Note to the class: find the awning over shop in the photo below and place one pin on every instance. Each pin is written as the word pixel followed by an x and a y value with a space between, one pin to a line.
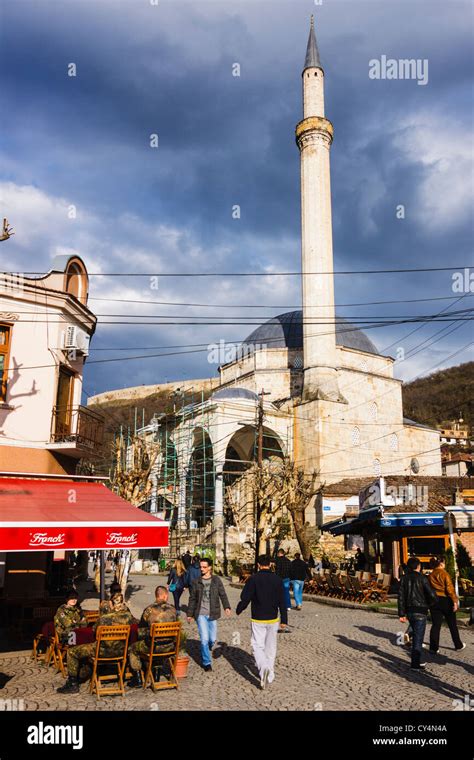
pixel 413 520
pixel 390 520
pixel 463 514
pixel 51 515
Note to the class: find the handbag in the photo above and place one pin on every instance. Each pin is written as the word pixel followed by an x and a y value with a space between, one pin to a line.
pixel 172 587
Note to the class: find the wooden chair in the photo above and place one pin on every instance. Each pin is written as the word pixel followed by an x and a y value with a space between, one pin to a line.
pixel 322 586
pixel 106 635
pixel 363 594
pixel 336 585
pixel 91 616
pixel 332 589
pixel 384 587
pixel 350 593
pixel 57 654
pixel 162 632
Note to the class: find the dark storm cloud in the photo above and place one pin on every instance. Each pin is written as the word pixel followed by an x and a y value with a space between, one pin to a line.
pixel 228 140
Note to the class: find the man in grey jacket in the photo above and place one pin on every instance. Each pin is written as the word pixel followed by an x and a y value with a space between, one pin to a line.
pixel 205 597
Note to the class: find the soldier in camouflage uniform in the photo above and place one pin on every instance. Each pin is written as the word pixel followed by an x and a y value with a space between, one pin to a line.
pixel 119 614
pixel 159 612
pixel 68 616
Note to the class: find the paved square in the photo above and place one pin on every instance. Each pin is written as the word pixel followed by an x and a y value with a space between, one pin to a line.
pixel 334 659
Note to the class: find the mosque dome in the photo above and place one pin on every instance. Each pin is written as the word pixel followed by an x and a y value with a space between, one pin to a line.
pixel 234 393
pixel 286 331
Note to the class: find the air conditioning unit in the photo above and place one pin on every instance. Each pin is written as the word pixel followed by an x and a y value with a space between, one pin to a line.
pixel 76 340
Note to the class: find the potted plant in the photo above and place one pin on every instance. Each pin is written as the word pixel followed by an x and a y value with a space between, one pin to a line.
pixel 182 660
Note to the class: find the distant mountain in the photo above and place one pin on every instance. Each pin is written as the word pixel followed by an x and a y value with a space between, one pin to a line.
pixel 442 396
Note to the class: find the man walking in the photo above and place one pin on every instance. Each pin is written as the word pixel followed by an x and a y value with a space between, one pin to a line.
pixel 205 597
pixel 283 571
pixel 265 592
pixel 299 572
pixel 415 595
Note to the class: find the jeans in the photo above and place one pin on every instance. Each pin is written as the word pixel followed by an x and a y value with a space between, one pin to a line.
pixel 176 597
pixel 418 624
pixel 286 586
pixel 208 635
pixel 298 592
pixel 443 609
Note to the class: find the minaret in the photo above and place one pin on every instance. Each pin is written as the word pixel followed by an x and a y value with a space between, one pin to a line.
pixel 314 137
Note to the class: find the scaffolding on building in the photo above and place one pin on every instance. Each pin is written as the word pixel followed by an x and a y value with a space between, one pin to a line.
pixel 186 430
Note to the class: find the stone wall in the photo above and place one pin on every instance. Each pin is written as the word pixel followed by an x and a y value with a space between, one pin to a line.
pixel 142 391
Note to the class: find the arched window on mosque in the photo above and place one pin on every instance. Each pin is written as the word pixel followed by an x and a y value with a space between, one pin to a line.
pixel 373 412
pixel 377 468
pixel 355 436
pixel 394 442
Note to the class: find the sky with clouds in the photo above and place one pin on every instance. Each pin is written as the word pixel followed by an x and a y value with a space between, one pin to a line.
pixel 167 69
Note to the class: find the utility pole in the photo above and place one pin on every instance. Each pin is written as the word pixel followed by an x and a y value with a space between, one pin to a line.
pixel 260 417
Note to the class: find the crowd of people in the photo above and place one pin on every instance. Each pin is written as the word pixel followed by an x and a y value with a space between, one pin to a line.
pixel 267 592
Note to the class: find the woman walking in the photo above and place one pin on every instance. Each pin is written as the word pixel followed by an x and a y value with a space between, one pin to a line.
pixel 176 582
pixel 445 607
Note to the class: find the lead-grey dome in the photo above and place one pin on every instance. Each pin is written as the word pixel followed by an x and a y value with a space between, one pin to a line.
pixel 234 392
pixel 286 331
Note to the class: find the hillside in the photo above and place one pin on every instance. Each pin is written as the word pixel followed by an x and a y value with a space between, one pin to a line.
pixel 444 395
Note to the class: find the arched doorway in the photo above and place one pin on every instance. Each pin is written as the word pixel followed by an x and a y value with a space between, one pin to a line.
pixel 200 481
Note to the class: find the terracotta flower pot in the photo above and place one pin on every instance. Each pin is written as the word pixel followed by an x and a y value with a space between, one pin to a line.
pixel 182 664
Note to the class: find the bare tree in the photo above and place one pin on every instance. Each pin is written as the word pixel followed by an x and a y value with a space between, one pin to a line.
pixel 7 230
pixel 133 467
pixel 131 480
pixel 296 490
pixel 278 486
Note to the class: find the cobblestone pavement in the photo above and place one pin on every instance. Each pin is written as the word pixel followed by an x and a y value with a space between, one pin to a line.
pixel 334 659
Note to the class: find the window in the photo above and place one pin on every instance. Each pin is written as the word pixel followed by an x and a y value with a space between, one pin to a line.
pixel 63 408
pixel 355 436
pixel 394 442
pixel 377 468
pixel 373 412
pixel 298 361
pixel 5 340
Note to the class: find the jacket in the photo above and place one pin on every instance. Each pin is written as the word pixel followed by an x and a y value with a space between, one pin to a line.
pixel 299 570
pixel 179 580
pixel 283 567
pixel 193 573
pixel 442 584
pixel 265 592
pixel 67 618
pixel 415 594
pixel 217 595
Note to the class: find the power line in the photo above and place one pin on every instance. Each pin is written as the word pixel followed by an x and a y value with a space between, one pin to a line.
pixel 259 274
pixel 269 306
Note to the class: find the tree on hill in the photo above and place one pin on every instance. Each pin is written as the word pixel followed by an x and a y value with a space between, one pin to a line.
pixel 441 396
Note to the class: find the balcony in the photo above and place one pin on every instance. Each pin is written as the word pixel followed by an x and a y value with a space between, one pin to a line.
pixel 76 431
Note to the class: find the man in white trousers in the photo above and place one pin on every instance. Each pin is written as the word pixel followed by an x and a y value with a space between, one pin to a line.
pixel 265 592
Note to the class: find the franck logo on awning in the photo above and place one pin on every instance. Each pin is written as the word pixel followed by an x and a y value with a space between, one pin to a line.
pixel 121 539
pixel 43 539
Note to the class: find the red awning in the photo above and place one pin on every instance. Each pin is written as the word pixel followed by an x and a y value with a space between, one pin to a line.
pixel 48 515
